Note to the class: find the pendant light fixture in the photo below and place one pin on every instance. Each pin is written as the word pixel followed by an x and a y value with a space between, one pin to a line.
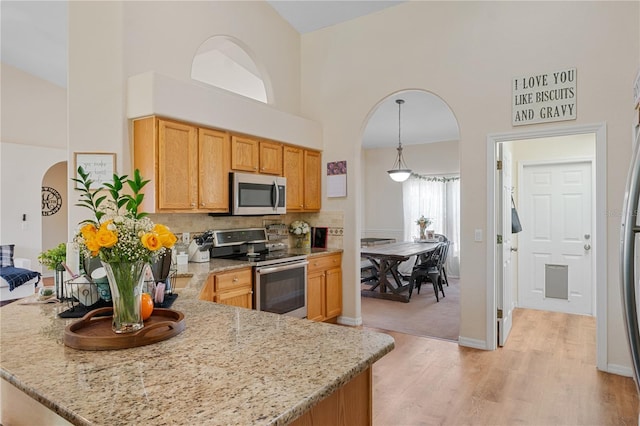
pixel 400 172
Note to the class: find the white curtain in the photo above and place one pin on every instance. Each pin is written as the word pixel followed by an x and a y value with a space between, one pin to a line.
pixel 437 198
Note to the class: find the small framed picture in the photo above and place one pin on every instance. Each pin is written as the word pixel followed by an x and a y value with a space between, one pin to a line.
pixel 431 235
pixel 100 166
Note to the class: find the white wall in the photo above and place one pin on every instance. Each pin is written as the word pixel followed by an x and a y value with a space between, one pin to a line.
pixel 467 53
pixel 33 138
pixel 22 168
pixel 34 111
pixel 383 214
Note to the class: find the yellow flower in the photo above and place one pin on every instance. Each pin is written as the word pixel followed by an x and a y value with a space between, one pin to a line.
pixel 92 246
pixel 88 231
pixel 106 238
pixel 167 239
pixel 151 241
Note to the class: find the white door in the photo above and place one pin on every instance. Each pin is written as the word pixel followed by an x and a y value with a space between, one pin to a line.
pixel 555 261
pixel 505 285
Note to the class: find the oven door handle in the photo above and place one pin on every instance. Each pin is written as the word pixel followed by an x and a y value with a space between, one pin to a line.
pixel 270 270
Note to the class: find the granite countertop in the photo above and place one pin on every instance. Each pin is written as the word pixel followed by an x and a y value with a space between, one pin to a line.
pixel 229 366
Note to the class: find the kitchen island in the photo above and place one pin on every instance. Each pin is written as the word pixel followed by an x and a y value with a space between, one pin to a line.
pixel 229 366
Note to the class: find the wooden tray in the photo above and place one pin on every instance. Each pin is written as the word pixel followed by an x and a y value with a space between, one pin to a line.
pixel 93 333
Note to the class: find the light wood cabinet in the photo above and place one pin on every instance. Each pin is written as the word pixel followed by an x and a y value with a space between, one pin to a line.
pixel 324 287
pixel 245 154
pixel 302 168
pixel 188 166
pixel 256 156
pixel 271 158
pixel 233 288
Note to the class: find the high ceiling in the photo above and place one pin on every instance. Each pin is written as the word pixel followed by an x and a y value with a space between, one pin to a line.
pixel 34 39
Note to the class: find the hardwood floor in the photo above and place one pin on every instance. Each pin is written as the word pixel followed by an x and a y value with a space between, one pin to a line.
pixel 545 375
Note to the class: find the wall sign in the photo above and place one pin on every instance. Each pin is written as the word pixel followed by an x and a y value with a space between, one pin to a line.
pixel 51 201
pixel 543 98
pixel 337 179
pixel 100 166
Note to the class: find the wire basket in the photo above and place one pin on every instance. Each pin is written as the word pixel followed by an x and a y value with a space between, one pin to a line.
pixel 81 291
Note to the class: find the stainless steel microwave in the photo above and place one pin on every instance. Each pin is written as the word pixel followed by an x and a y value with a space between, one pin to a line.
pixel 253 194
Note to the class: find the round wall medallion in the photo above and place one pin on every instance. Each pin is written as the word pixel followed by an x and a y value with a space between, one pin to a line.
pixel 51 201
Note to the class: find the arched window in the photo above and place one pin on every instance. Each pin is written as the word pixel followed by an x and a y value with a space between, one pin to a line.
pixel 223 63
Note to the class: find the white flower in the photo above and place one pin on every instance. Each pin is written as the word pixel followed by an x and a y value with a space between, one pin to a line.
pixel 299 227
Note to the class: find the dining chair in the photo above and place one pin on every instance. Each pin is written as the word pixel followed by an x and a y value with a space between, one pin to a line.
pixel 443 238
pixel 430 269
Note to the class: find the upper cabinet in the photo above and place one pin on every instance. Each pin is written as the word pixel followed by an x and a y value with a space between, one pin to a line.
pixel 302 168
pixel 256 156
pixel 244 154
pixel 271 158
pixel 188 166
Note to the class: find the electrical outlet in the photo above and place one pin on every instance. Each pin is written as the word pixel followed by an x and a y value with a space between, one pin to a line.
pixel 186 238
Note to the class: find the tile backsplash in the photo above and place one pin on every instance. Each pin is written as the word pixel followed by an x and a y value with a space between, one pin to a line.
pixel 197 223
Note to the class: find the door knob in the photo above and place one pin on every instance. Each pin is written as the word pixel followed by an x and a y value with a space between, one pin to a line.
pixel 514 248
pixel 587 247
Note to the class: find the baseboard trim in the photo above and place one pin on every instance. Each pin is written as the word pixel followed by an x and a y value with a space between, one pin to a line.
pixel 620 370
pixel 472 343
pixel 350 321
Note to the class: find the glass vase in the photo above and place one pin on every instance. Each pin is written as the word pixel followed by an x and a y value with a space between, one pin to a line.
pixel 300 241
pixel 125 283
pixel 423 235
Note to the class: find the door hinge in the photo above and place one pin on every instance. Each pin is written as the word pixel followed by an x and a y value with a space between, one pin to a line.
pixel 499 165
pixel 499 239
pixel 499 313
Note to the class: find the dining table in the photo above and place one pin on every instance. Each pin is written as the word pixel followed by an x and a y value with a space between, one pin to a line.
pixel 385 260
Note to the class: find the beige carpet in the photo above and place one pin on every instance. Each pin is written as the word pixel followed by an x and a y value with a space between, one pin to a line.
pixel 422 316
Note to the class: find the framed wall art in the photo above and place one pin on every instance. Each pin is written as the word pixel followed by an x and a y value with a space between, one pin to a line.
pixel 100 166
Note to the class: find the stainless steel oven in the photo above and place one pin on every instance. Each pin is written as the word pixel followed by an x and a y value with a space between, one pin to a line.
pixel 281 288
pixel 280 277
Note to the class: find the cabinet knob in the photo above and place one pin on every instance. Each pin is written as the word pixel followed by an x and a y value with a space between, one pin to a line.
pixel 235 279
pixel 201 204
pixel 193 204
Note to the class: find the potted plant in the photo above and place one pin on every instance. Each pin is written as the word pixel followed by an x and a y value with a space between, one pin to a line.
pixel 54 257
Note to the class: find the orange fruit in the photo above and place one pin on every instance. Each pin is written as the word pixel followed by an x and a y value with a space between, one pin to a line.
pixel 146 306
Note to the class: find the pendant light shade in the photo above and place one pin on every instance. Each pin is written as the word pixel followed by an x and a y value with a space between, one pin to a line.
pixel 400 172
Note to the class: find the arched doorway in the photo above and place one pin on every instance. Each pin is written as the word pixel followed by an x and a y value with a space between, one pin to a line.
pixel 429 133
pixel 54 206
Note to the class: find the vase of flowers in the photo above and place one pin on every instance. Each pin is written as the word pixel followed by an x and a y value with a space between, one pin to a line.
pixel 125 240
pixel 423 222
pixel 299 229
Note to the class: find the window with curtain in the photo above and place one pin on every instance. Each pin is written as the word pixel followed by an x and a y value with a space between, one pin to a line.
pixel 438 198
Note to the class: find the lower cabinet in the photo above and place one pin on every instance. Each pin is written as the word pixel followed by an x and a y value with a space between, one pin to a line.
pixel 233 288
pixel 324 287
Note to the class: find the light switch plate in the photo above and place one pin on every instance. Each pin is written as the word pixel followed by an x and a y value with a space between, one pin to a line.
pixel 478 235
pixel 186 238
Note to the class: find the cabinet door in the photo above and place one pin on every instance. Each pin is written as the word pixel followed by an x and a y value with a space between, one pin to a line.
pixel 214 163
pixel 312 188
pixel 244 154
pixel 208 289
pixel 241 297
pixel 333 293
pixel 271 158
pixel 293 166
pixel 315 296
pixel 177 166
